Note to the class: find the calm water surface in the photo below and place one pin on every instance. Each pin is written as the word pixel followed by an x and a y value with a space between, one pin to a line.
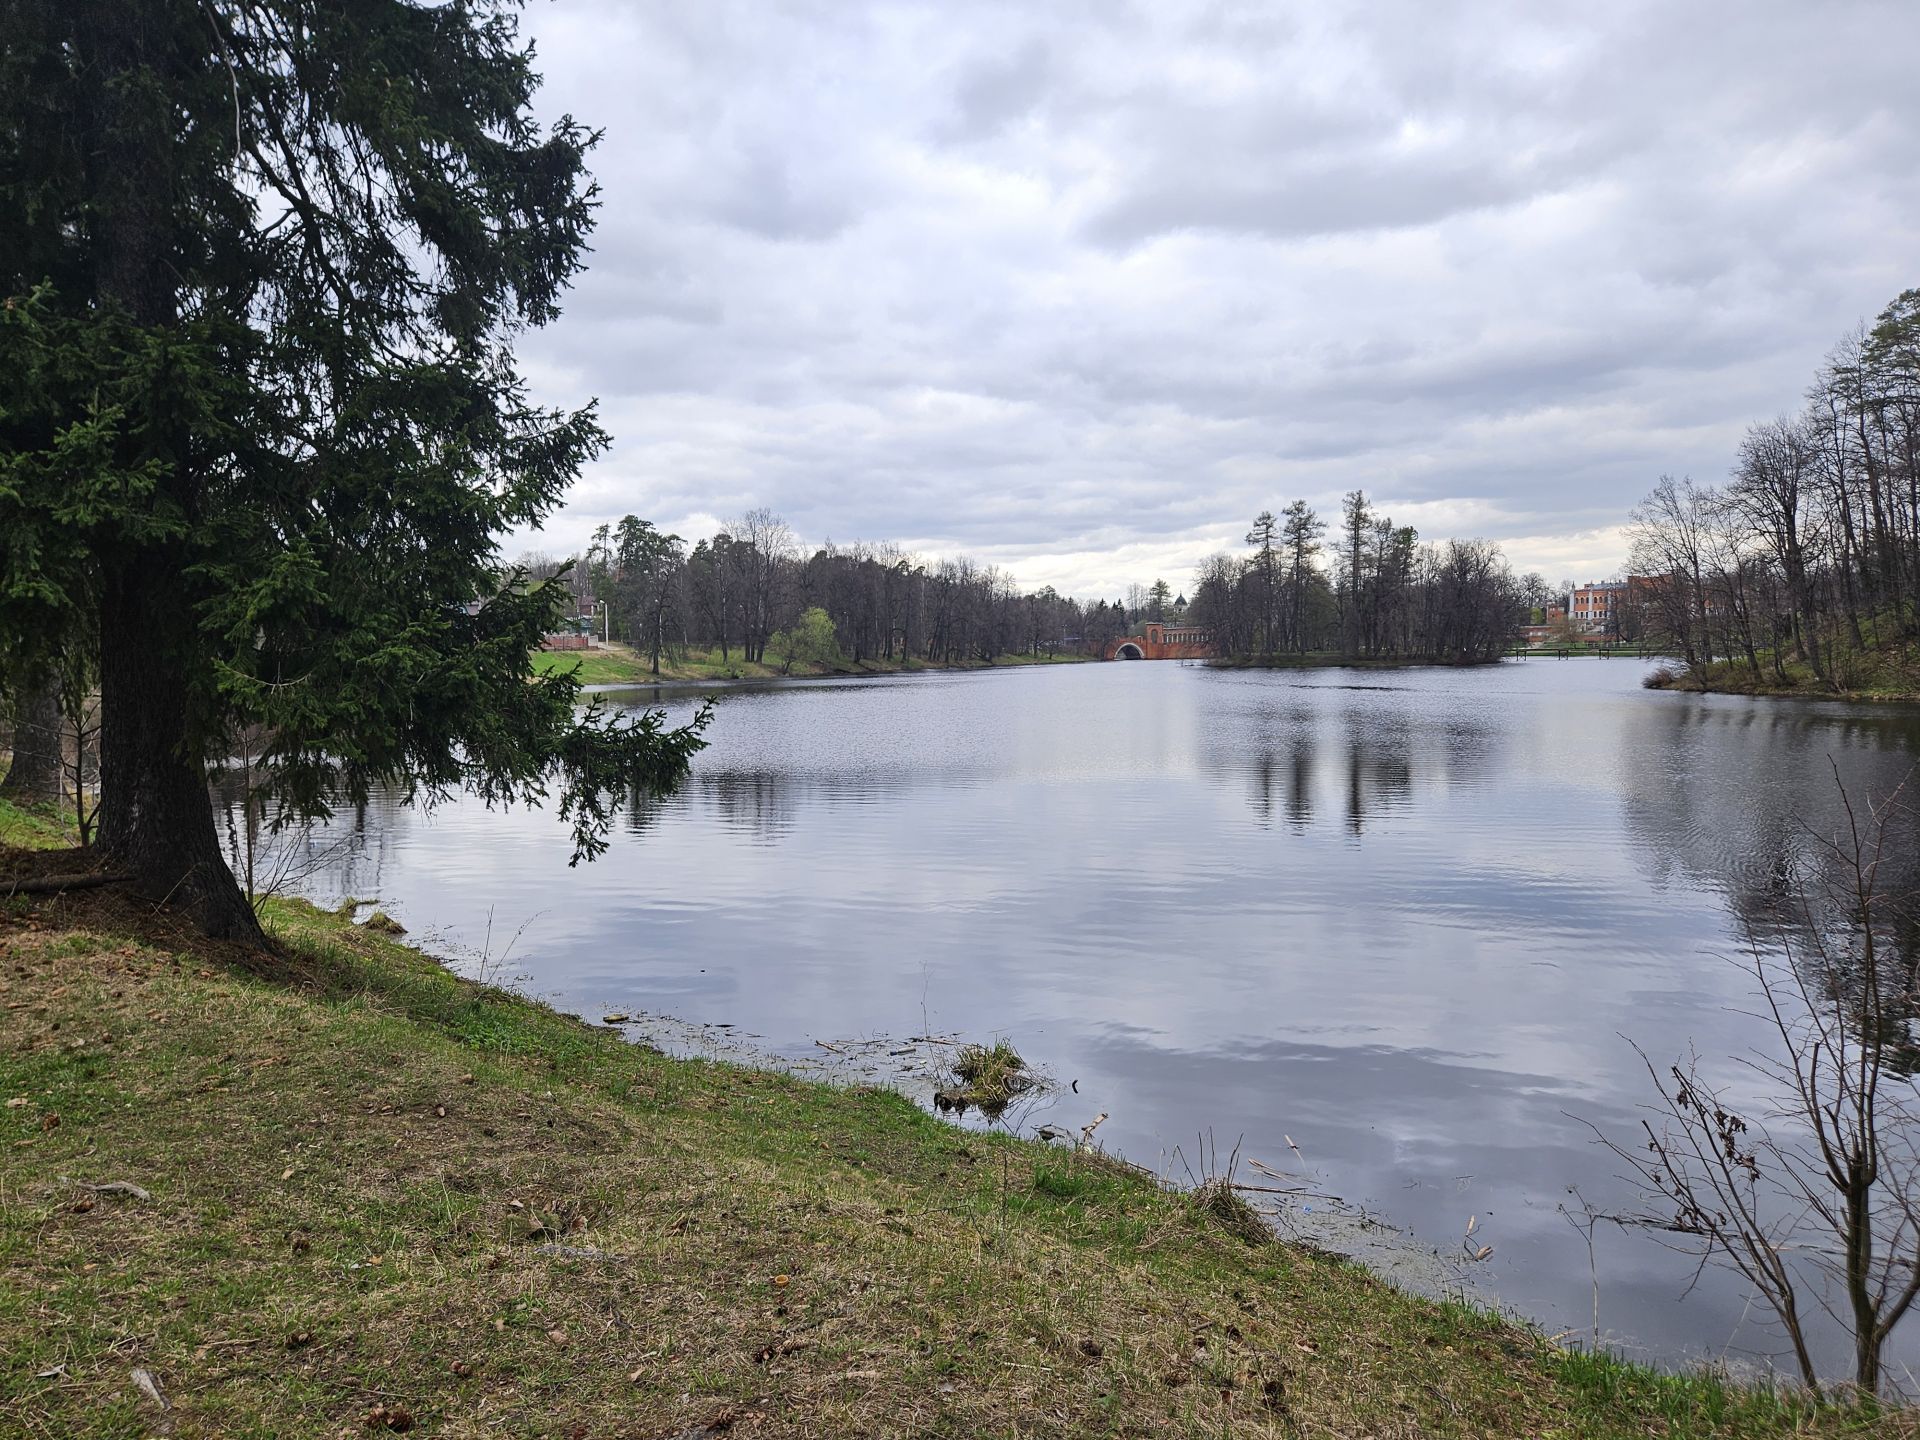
pixel 1407 919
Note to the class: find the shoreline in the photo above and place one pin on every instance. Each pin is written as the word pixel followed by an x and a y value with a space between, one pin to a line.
pixel 1684 685
pixel 1884 672
pixel 365 1181
pixel 619 667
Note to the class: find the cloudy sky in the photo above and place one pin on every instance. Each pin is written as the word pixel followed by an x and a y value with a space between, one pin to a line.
pixel 1079 287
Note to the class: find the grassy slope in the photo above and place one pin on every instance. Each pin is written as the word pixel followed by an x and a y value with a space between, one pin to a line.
pixel 343 1159
pixel 34 828
pixel 620 665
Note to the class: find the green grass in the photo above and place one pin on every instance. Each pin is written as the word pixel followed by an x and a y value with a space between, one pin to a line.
pixel 355 1159
pixel 35 828
pixel 595 667
pixel 620 665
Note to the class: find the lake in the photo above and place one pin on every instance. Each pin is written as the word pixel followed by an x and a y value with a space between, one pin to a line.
pixel 1390 932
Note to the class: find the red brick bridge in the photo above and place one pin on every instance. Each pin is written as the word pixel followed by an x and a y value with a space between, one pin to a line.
pixel 1164 642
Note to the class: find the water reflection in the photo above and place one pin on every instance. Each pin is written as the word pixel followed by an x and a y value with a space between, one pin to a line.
pixel 759 802
pixel 1407 924
pixel 1361 761
pixel 1781 852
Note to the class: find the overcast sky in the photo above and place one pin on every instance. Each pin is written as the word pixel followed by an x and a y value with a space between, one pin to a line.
pixel 1079 288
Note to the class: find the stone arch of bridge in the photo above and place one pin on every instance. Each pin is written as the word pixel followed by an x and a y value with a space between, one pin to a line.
pixel 1129 651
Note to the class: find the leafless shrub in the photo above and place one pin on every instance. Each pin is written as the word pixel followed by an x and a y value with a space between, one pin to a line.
pixel 272 850
pixel 80 748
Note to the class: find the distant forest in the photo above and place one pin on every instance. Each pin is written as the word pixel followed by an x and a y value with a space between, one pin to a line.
pixel 754 585
pixel 736 592
pixel 1805 565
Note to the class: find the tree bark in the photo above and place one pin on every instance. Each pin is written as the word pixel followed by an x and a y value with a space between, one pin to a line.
pixel 156 811
pixel 34 777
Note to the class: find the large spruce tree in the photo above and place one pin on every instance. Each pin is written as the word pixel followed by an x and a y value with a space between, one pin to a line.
pixel 261 428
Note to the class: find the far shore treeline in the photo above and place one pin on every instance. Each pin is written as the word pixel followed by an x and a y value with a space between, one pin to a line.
pixel 1802 571
pixel 752 592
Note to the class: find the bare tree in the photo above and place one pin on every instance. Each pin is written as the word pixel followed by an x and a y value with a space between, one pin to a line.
pixel 1669 535
pixel 768 552
pixel 78 744
pixel 1821 521
pixel 1771 492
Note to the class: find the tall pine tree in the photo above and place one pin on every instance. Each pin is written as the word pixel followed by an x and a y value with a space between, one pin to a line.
pixel 261 428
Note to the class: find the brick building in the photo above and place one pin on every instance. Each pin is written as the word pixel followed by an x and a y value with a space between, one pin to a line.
pixel 1595 608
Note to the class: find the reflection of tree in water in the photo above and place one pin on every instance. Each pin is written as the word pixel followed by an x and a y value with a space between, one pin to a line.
pixel 344 855
pixel 1855 938
pixel 1373 755
pixel 1300 780
pixel 1747 801
pixel 1279 759
pixel 759 802
pixel 1379 763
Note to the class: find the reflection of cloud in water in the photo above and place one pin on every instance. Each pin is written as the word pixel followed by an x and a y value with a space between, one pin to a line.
pixel 1430 1139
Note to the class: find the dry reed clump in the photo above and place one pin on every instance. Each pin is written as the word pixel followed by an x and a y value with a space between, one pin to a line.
pixel 1663 677
pixel 1221 1204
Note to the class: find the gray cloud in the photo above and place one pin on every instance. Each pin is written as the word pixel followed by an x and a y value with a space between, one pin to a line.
pixel 1081 287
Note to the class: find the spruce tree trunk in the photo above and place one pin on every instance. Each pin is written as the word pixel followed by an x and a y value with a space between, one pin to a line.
pixel 34 777
pixel 156 811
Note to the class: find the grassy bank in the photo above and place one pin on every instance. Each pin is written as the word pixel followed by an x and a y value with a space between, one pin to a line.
pixel 618 664
pixel 1884 674
pixel 372 1196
